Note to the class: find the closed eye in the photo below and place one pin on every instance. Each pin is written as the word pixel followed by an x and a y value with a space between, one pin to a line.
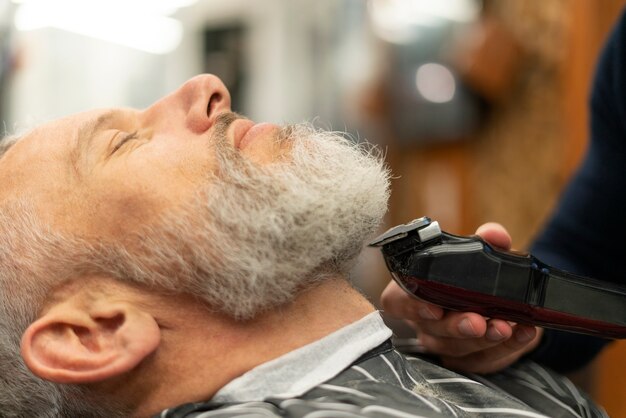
pixel 124 140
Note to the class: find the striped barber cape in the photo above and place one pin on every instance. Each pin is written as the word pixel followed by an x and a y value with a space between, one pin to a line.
pixel 383 383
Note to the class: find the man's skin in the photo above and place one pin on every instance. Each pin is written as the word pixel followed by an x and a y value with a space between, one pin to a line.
pixel 125 341
pixel 465 341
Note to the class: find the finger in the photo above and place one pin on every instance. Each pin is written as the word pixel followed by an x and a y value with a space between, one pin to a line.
pixel 497 332
pixel 459 347
pixel 525 338
pixel 495 234
pixel 457 325
pixel 398 303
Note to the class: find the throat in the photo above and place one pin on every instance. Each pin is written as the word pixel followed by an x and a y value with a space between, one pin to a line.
pixel 206 350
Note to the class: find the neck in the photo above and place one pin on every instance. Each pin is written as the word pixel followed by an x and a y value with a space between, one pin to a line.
pixel 202 351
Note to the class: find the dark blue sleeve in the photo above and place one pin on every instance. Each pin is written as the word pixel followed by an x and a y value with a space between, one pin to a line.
pixel 587 232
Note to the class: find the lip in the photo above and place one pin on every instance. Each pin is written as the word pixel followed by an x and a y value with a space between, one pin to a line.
pixel 240 129
pixel 255 132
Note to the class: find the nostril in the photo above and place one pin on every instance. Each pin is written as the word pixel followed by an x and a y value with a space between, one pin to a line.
pixel 213 102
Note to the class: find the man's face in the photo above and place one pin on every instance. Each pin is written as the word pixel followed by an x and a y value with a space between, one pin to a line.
pixel 104 171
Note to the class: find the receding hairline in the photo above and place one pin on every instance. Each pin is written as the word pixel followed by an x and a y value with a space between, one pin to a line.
pixel 7 142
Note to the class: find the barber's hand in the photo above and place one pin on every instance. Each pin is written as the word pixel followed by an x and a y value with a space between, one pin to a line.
pixel 465 341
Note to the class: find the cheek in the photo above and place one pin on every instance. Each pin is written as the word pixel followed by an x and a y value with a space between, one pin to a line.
pixel 118 214
pixel 137 189
pixel 174 170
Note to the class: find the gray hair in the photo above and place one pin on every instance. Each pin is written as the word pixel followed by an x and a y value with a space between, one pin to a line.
pixel 31 254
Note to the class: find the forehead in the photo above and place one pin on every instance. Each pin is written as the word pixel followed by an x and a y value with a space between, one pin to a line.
pixel 59 141
pixel 36 151
pixel 55 137
pixel 42 164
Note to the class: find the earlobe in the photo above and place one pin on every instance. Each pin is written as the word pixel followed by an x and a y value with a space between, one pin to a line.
pixel 70 345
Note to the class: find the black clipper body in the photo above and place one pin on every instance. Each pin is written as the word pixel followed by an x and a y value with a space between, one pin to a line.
pixel 468 274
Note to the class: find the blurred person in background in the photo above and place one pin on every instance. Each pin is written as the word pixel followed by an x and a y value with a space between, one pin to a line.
pixel 183 261
pixel 584 236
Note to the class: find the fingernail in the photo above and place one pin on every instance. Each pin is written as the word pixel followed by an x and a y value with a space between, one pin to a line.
pixel 494 334
pixel 426 313
pixel 523 335
pixel 466 328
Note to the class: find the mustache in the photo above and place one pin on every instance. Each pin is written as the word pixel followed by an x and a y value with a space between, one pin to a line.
pixel 225 119
pixel 222 123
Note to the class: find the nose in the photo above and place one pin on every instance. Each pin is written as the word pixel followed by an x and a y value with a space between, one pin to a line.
pixel 198 101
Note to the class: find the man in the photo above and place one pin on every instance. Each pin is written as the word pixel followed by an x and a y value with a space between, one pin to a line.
pixel 182 261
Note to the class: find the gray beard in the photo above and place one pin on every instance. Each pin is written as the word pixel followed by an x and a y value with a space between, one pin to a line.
pixel 255 236
pixel 248 242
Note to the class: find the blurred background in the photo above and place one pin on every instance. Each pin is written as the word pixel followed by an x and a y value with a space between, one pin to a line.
pixel 479 105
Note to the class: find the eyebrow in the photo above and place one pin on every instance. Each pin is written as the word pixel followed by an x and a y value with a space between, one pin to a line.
pixel 85 135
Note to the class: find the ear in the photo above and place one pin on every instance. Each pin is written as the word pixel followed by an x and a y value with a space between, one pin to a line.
pixel 74 344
